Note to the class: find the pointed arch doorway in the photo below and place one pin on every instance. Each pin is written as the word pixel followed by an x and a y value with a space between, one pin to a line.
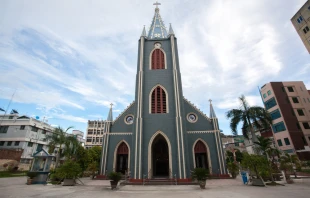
pixel 201 155
pixel 122 157
pixel 160 157
pixel 159 160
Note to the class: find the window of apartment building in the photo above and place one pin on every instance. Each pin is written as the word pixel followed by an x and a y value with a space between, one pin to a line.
pixel 264 95
pixel 300 19
pixel 290 89
pixel 306 125
pixel 10 117
pixel 306 29
pixel 305 100
pixel 275 114
pixel 300 112
pixel 304 140
pixel 4 129
pixel 9 143
pixel 30 144
pixel 287 141
pixel 43 131
pixel 295 99
pixel 280 142
pixel 22 127
pixel 90 132
pixel 270 103
pixel 16 143
pixel 2 142
pixel 88 139
pixel 278 127
pixel 269 92
pixel 298 126
pixel 34 129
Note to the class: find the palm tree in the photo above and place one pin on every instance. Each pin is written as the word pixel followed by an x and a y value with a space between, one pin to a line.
pixel 264 145
pixel 58 138
pixel 249 116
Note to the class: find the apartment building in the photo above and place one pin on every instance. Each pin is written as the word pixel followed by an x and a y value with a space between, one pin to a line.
pixel 301 22
pixel 289 106
pixel 95 131
pixel 79 136
pixel 23 132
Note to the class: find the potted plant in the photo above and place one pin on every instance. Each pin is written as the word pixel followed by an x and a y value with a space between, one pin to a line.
pixel 30 175
pixel 69 171
pixel 200 174
pixel 115 177
pixel 233 169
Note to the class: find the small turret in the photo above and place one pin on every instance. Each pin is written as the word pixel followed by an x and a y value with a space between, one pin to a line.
pixel 212 113
pixel 110 116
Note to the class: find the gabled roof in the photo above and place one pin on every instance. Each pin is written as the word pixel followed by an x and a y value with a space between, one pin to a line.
pixel 42 152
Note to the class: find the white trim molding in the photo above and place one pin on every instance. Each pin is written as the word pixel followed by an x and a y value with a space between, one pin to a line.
pixel 115 155
pixel 196 132
pixel 123 112
pixel 120 133
pixel 150 57
pixel 191 104
pixel 208 153
pixel 150 156
pixel 150 98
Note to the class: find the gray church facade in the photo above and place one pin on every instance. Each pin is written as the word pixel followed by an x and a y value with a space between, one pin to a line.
pixel 161 134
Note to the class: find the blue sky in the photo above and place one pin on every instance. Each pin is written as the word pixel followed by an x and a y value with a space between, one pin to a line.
pixel 68 60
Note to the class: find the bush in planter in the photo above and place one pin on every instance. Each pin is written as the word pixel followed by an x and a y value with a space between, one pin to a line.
pixel 201 175
pixel 233 169
pixel 69 170
pixel 115 177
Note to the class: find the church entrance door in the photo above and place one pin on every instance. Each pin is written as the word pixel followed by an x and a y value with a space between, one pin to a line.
pixel 122 158
pixel 201 159
pixel 160 157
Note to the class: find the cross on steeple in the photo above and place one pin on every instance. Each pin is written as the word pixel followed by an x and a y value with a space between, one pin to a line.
pixel 157 4
pixel 111 105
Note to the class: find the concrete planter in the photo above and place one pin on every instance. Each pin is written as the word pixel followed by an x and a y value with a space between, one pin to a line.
pixel 257 182
pixel 113 184
pixel 69 182
pixel 202 184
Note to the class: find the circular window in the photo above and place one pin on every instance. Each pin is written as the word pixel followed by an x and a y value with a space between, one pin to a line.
pixel 192 117
pixel 129 119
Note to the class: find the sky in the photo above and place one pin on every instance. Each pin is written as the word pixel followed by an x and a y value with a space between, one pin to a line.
pixel 66 61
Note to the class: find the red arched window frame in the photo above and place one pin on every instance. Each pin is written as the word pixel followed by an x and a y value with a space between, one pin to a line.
pixel 158 101
pixel 158 59
pixel 200 147
pixel 122 149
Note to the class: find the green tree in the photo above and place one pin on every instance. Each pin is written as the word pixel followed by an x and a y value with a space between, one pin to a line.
pixel 230 156
pixel 264 145
pixel 82 157
pixel 58 138
pixel 246 115
pixel 256 163
pixel 94 154
pixel 287 163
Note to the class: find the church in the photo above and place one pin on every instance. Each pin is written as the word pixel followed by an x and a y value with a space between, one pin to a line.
pixel 161 134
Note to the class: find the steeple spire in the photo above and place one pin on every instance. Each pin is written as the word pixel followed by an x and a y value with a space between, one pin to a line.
pixel 157 29
pixel 212 113
pixel 171 32
pixel 143 32
pixel 110 116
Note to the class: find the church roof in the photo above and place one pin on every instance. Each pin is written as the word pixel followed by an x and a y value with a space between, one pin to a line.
pixel 157 29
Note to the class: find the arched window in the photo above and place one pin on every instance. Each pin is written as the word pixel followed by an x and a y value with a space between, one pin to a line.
pixel 158 101
pixel 158 59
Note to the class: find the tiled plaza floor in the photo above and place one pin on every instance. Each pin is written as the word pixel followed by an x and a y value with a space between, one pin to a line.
pixel 16 187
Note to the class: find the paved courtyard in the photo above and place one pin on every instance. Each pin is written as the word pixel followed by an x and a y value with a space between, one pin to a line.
pixel 16 187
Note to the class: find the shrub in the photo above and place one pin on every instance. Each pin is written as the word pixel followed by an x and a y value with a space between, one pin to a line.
pixel 233 169
pixel 200 174
pixel 115 176
pixel 69 170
